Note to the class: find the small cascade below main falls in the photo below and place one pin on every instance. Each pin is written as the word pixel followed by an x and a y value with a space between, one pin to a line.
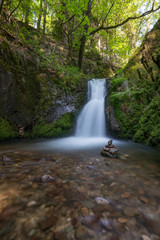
pixel 91 121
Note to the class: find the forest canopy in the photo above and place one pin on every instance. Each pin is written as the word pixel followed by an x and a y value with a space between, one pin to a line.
pixel 112 29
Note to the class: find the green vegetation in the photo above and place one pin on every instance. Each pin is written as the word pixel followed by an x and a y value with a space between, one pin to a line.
pixel 137 106
pixel 61 127
pixel 149 124
pixel 137 117
pixel 6 130
pixel 72 76
pixel 102 26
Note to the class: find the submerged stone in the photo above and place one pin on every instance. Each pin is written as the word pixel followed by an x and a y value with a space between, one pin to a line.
pixel 43 179
pixel 36 179
pixel 84 233
pixel 105 223
pixel 151 219
pixel 90 167
pixel 47 178
pixel 102 201
pixel 144 237
pixel 88 204
pixel 69 229
pixel 47 223
pixel 6 160
pixel 88 220
pixel 131 212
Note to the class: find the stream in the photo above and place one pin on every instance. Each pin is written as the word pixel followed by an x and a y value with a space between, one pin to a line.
pixel 63 189
pixel 65 207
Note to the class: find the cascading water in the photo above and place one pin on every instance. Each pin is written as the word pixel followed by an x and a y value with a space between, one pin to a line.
pixel 91 121
pixel 90 128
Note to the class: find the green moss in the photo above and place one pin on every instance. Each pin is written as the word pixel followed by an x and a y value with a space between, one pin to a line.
pixel 149 124
pixel 128 106
pixel 72 78
pixel 139 136
pixel 61 127
pixel 117 81
pixel 154 138
pixel 6 130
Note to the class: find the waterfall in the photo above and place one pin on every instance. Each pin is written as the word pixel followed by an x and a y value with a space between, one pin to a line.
pixel 90 127
pixel 91 121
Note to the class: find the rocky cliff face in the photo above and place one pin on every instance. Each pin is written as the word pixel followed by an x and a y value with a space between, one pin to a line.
pixel 135 94
pixel 33 87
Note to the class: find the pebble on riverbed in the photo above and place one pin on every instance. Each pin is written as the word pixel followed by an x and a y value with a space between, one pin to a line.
pixel 151 219
pixel 47 178
pixel 5 160
pixel 81 203
pixel 102 201
pixel 105 223
pixel 43 179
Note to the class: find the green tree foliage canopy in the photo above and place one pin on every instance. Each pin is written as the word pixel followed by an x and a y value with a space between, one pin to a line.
pixel 113 28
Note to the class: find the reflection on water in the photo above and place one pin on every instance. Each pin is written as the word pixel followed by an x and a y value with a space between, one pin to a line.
pixel 67 207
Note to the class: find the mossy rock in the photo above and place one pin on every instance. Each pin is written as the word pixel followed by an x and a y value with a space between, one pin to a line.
pixel 61 127
pixel 6 130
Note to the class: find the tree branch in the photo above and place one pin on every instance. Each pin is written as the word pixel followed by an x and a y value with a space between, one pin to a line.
pixel 153 4
pixel 1 5
pixel 79 23
pixel 77 26
pixel 69 19
pixel 107 14
pixel 14 9
pixel 125 21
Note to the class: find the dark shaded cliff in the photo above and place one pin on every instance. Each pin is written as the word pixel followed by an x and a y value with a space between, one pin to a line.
pixel 36 85
pixel 134 110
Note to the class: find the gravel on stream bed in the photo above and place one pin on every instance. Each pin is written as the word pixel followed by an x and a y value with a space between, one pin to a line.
pixel 78 197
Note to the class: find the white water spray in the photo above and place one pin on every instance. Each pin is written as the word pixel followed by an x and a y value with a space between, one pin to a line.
pixel 91 121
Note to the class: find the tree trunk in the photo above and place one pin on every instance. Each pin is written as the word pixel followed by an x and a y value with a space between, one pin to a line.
pixel 40 16
pixel 70 42
pixel 81 51
pixel 27 13
pixel 83 38
pixel 1 5
pixel 52 18
pixel 44 16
